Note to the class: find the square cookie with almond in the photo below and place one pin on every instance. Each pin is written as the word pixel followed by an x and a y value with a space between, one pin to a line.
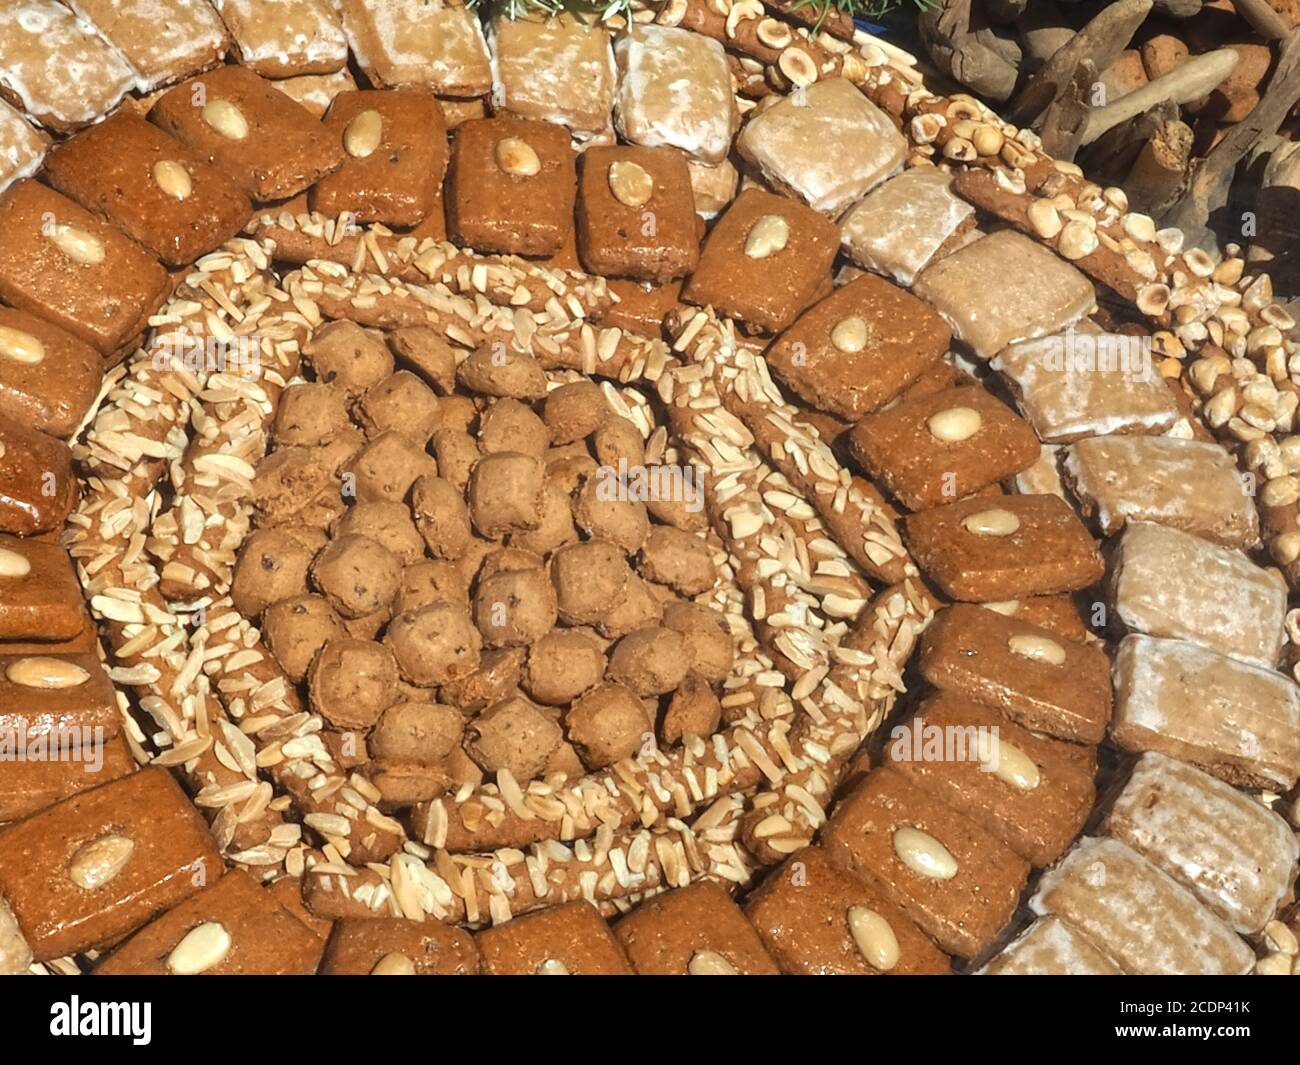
pixel 395 144
pixel 765 260
pixel 511 186
pixel 159 192
pixel 636 213
pixel 60 262
pixel 269 145
pixel 982 550
pixel 936 448
pixel 857 349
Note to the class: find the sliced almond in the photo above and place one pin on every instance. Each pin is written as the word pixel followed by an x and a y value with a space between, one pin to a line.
pixel 850 334
pixel 48 673
pixel 393 964
pixel 202 948
pixel 1036 647
pixel 1009 764
pixel 923 854
pixel 954 424
pixel 874 937
pixel 78 245
pixel 553 967
pixel 631 183
pixel 517 157
pixel 710 963
pixel 992 522
pixel 13 564
pixel 95 863
pixel 17 346
pixel 767 236
pixel 226 118
pixel 362 135
pixel 798 67
pixel 173 179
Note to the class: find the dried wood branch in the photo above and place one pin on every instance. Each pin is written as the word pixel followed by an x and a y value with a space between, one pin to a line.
pixel 1262 18
pixel 1160 169
pixel 1211 178
pixel 1188 82
pixel 1101 41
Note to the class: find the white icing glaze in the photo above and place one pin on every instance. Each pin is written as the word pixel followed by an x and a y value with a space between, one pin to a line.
pixel 1232 852
pixel 1064 404
pixel 163 40
pixel 419 43
pixel 64 73
pixel 1170 583
pixel 290 33
pixel 1051 947
pixel 21 147
pixel 898 228
pixel 1141 917
pixel 1176 697
pixel 674 89
pixel 1038 293
pixel 557 71
pixel 827 145
pixel 1187 484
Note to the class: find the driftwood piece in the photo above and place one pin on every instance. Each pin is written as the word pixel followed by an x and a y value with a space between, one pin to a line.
pixel 1111 156
pixel 1178 8
pixel 973 55
pixel 1101 41
pixel 1192 80
pixel 1065 121
pixel 1210 179
pixel 1044 30
pixel 1002 11
pixel 1160 168
pixel 1262 18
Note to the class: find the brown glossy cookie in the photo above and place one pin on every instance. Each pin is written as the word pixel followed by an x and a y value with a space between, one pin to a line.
pixel 696 930
pixel 272 147
pixel 159 192
pixel 233 928
pixel 568 940
pixel 395 144
pixel 60 262
pixel 766 259
pixel 955 880
pixel 511 186
pixel 933 449
pixel 1030 792
pixel 93 868
pixel 816 920
pixel 1052 686
pixel 636 213
pixel 857 349
pixel 981 550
